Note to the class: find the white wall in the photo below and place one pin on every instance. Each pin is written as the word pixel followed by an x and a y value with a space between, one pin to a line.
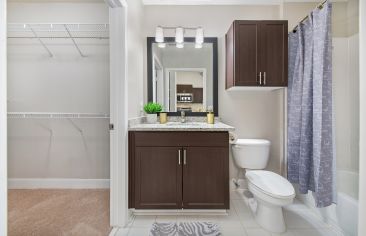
pixel 57 12
pixel 253 114
pixel 346 99
pixel 362 196
pixel 135 54
pixel 295 12
pixel 190 77
pixel 65 83
pixel 3 125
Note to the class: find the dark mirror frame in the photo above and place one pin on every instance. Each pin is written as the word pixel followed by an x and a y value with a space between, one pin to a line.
pixel 213 40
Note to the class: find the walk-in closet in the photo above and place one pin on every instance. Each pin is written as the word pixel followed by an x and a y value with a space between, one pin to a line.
pixel 58 117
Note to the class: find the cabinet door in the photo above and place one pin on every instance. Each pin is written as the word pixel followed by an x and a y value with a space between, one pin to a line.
pixel 206 178
pixel 197 95
pixel 273 53
pixel 158 178
pixel 246 50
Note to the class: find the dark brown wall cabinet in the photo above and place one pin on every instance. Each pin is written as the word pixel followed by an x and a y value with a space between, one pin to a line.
pixel 175 170
pixel 256 53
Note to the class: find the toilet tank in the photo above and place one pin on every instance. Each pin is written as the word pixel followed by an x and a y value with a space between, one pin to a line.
pixel 251 153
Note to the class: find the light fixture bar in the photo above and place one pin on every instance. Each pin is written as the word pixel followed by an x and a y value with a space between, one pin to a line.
pixel 179 35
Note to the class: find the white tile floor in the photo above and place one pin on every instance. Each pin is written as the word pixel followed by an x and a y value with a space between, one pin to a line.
pixel 300 221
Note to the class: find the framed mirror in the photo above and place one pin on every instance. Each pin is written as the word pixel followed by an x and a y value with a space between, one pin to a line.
pixel 185 78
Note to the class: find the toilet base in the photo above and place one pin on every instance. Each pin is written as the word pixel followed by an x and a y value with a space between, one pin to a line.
pixel 270 217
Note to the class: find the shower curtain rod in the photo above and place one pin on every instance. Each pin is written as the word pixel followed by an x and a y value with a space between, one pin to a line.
pixel 320 6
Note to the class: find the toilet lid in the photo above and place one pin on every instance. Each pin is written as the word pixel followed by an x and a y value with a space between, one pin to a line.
pixel 252 142
pixel 271 183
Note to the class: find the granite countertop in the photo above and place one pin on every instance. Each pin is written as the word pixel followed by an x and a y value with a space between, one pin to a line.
pixel 177 126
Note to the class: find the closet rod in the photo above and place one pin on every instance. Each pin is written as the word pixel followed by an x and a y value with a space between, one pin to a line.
pixel 50 37
pixel 320 6
pixel 54 115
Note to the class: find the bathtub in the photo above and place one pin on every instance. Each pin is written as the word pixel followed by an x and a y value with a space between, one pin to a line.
pixel 346 209
pixel 343 215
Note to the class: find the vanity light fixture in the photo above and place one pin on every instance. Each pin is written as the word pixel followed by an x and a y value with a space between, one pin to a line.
pixel 159 34
pixel 179 35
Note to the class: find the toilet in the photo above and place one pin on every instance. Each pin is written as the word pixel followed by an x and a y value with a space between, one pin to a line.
pixel 270 191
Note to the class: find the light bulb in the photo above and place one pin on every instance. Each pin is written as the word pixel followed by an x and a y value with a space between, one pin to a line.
pixel 159 34
pixel 179 35
pixel 199 35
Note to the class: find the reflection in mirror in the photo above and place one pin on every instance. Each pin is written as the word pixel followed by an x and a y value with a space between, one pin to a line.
pixel 182 78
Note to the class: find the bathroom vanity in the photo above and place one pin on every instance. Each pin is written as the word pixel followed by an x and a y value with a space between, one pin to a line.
pixel 183 164
pixel 179 166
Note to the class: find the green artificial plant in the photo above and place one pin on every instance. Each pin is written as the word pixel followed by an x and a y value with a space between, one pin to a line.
pixel 152 108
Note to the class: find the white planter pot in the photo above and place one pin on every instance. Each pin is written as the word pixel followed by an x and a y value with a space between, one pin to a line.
pixel 152 118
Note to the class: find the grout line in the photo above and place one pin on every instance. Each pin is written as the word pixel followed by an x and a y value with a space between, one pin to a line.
pixel 236 212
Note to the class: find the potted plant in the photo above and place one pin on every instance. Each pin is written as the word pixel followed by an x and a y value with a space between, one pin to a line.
pixel 151 110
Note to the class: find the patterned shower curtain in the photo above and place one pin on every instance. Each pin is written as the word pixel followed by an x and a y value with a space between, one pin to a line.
pixel 311 156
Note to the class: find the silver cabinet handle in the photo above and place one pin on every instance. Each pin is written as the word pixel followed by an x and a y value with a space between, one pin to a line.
pixel 264 78
pixel 179 156
pixel 184 156
pixel 260 78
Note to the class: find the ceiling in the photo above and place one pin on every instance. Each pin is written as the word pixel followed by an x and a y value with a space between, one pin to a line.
pixel 225 2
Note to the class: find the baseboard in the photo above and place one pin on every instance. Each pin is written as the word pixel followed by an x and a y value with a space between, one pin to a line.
pixel 114 231
pixel 196 212
pixel 15 183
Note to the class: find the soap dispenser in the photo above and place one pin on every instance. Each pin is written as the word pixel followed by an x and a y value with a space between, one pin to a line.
pixel 210 116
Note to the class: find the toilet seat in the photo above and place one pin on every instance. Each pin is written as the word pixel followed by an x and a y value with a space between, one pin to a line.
pixel 271 184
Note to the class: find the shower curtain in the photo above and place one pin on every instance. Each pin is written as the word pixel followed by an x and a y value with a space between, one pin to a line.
pixel 311 156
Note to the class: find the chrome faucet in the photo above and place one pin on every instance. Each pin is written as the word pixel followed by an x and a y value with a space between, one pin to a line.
pixel 182 116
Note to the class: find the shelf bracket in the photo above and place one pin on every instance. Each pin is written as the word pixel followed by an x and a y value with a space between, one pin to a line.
pixel 73 40
pixel 41 42
pixel 75 126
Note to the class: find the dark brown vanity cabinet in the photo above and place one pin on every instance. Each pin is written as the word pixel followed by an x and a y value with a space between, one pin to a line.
pixel 175 170
pixel 158 178
pixel 256 53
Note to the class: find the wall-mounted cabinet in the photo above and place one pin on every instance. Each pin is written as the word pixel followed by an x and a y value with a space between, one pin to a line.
pixel 256 54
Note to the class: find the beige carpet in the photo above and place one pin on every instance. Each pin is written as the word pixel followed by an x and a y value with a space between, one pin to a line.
pixel 59 213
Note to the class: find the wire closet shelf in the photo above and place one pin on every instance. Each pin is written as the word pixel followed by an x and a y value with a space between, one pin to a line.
pixel 53 31
pixel 43 115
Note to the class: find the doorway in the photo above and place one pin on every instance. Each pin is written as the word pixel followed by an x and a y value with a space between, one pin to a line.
pixel 62 120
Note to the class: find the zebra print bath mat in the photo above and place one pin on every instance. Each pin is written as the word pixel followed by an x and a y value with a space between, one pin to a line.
pixel 185 229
